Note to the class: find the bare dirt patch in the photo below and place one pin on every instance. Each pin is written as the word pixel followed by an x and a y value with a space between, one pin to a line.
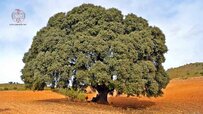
pixel 181 96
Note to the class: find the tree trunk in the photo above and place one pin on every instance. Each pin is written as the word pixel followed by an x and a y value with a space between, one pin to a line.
pixel 101 97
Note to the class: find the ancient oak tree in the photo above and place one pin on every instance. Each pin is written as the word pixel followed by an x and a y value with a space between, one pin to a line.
pixel 97 47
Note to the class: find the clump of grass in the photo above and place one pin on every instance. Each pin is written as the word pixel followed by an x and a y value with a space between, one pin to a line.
pixel 74 95
pixel 188 73
pixel 184 77
pixel 201 73
pixel 15 88
pixel 5 88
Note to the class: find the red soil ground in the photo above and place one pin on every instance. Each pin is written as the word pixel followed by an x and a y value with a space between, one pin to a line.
pixel 180 97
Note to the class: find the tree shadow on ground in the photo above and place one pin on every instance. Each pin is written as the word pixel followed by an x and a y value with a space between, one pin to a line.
pixel 60 101
pixel 120 102
pixel 130 102
pixel 4 109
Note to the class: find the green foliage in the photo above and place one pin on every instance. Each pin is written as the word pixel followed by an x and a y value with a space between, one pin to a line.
pixel 201 73
pixel 92 44
pixel 12 86
pixel 186 71
pixel 74 95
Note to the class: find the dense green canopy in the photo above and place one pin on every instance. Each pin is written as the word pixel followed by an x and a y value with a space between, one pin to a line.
pixel 97 47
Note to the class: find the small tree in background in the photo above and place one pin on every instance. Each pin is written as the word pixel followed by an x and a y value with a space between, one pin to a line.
pixel 97 47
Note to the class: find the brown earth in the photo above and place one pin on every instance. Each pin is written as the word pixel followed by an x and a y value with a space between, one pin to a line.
pixel 180 97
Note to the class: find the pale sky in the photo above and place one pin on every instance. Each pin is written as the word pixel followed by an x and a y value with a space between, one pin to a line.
pixel 180 20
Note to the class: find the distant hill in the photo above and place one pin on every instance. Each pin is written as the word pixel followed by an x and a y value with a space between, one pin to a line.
pixel 186 71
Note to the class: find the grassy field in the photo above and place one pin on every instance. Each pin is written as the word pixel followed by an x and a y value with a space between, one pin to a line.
pixel 186 71
pixel 7 86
